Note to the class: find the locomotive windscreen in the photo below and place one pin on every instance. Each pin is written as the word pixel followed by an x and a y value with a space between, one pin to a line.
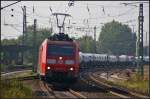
pixel 66 50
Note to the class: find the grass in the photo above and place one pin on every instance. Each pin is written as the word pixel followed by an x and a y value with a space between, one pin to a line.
pixel 135 84
pixel 3 67
pixel 31 73
pixel 25 74
pixel 109 94
pixel 14 89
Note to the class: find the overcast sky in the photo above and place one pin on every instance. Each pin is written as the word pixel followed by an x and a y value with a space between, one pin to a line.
pixel 97 13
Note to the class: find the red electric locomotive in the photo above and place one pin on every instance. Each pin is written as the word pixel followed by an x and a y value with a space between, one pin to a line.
pixel 59 58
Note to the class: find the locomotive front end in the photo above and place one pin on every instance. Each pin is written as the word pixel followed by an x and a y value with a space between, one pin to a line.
pixel 62 60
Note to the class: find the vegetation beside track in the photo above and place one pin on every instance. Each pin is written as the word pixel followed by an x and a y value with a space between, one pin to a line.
pixel 3 67
pixel 21 74
pixel 25 74
pixel 14 89
pixel 13 67
pixel 135 84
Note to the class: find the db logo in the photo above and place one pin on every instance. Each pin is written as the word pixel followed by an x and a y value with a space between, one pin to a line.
pixel 60 61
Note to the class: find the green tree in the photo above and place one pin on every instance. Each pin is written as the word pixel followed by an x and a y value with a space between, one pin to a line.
pixel 117 38
pixel 9 42
pixel 86 44
pixel 5 56
pixel 41 35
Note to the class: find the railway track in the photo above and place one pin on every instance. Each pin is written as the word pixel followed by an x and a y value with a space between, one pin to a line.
pixel 90 90
pixel 50 92
pixel 116 91
pixel 13 72
pixel 23 78
pixel 47 90
pixel 16 68
pixel 88 86
pixel 18 75
pixel 122 92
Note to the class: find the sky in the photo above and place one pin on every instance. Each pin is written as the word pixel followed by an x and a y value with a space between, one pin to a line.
pixel 84 14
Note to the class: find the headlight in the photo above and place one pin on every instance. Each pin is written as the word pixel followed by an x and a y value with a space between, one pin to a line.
pixel 48 67
pixel 51 61
pixel 71 69
pixel 69 62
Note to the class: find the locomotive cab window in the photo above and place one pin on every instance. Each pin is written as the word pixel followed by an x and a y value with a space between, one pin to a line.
pixel 66 50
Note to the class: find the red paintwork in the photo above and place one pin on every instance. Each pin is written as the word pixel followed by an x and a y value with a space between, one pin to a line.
pixel 58 67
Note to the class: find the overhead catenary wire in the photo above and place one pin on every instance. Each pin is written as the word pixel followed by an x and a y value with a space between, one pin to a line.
pixel 119 15
pixel 113 6
pixel 90 18
pixel 10 5
pixel 74 26
pixel 115 16
pixel 44 17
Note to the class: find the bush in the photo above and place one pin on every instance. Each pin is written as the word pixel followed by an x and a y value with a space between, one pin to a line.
pixel 15 89
pixel 137 84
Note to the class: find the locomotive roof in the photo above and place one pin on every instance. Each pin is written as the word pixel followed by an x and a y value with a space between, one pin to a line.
pixel 47 41
pixel 66 42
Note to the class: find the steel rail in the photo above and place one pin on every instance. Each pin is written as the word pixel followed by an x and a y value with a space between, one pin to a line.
pixel 94 78
pixel 77 94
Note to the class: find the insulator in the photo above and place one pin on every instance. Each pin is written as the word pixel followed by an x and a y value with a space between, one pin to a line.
pixel 60 37
pixel 12 9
